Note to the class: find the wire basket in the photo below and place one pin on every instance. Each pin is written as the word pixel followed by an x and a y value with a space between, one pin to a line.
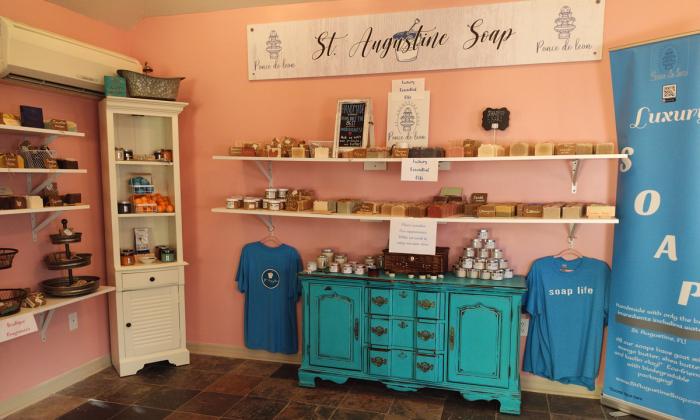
pixel 37 158
pixel 6 256
pixel 11 301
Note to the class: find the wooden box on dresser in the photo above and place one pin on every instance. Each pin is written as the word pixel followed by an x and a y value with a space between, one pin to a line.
pixel 147 311
pixel 451 333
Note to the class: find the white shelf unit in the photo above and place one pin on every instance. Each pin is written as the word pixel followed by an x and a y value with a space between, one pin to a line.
pixel 45 312
pixel 47 136
pixel 147 310
pixel 377 164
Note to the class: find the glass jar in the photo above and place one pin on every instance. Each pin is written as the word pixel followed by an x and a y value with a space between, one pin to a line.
pixel 124 207
pixel 118 153
pixel 127 257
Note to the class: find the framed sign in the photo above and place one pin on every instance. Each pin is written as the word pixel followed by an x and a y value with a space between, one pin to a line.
pixel 353 125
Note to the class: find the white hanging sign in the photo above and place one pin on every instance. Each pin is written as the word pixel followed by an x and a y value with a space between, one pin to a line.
pixel 412 236
pixel 419 169
pixel 408 114
pixel 498 34
pixel 17 326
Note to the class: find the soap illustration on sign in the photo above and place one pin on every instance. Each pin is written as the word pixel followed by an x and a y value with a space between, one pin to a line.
pixel 274 45
pixel 407 52
pixel 270 278
pixel 565 23
pixel 408 120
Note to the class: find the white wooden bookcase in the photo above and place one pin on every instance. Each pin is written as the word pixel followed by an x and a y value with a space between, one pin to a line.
pixel 147 311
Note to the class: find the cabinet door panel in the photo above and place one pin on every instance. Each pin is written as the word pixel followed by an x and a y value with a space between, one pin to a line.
pixel 478 339
pixel 379 331
pixel 402 333
pixel 334 326
pixel 151 321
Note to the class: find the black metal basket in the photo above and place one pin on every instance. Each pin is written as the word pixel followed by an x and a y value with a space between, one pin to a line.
pixel 11 301
pixel 6 256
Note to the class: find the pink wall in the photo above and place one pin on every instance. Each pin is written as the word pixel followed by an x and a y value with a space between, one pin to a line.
pixel 27 361
pixel 559 102
pixel 554 102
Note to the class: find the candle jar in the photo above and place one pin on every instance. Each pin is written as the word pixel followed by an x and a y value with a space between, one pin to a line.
pixel 334 267
pixel 497 275
pixel 490 244
pixel 360 269
pixel 473 273
pixel 477 243
pixel 369 260
pixel 270 193
pixel 485 275
pixel 503 264
pixel 124 207
pixel 497 253
pixel 484 253
pixel 167 255
pixel 469 252
pixel 311 266
pixel 126 257
pixel 118 153
pixel 347 269
pixel 508 273
pixel 479 264
pixel 322 262
pixel 461 272
pixel 328 252
pixel 492 265
pixel 282 193
pixel 483 234
pixel 467 263
pixel 275 205
pixel 341 259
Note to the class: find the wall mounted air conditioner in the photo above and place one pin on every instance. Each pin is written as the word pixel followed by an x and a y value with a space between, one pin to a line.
pixel 36 56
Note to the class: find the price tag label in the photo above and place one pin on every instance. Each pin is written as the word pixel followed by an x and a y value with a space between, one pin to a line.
pixel 412 236
pixel 419 169
pixel 17 326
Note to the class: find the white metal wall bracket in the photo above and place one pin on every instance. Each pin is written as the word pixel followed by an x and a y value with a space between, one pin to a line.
pixel 38 227
pixel 575 169
pixel 46 318
pixel 265 170
pixel 572 235
pixel 267 221
pixel 51 178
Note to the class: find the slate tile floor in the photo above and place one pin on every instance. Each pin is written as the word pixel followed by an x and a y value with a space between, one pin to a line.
pixel 217 387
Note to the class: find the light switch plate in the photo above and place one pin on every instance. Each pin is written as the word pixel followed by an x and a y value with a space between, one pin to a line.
pixel 73 321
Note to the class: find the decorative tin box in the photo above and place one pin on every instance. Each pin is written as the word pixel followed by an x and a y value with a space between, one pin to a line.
pixel 417 264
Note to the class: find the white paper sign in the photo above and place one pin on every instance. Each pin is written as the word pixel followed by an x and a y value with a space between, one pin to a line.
pixel 483 35
pixel 419 169
pixel 17 327
pixel 408 85
pixel 409 236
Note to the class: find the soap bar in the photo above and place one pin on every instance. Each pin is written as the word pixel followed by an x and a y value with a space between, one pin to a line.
pixel 529 210
pixel 551 211
pixel 329 206
pixel 600 211
pixel 505 210
pixel 399 210
pixel 321 153
pixel 359 153
pixel 486 210
pixel 371 207
pixel 471 210
pixel 347 206
pixel 565 149
pixel 544 149
pixel 584 148
pixel 54 124
pixel 399 152
pixel 34 201
pixel 386 209
pixel 417 210
pixel 298 152
pixel 519 149
pixel 471 148
pixel 377 153
pixel 572 211
pixel 67 163
pixel 605 149
pixel 9 119
pixel 17 203
pixel 235 151
pixel 491 150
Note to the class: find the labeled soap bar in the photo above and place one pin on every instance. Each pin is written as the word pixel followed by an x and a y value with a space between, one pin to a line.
pixel 486 210
pixel 565 149
pixel 298 152
pixel 605 149
pixel 600 211
pixel 505 210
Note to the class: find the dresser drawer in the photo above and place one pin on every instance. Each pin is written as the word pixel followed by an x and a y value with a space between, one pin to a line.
pixel 402 364
pixel 379 331
pixel 379 362
pixel 429 336
pixel 402 332
pixel 149 279
pixel 429 305
pixel 428 368
pixel 402 302
pixel 380 301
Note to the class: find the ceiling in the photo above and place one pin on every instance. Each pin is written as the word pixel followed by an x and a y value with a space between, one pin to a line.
pixel 126 13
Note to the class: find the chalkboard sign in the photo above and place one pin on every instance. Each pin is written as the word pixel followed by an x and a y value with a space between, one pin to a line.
pixel 352 124
pixel 498 116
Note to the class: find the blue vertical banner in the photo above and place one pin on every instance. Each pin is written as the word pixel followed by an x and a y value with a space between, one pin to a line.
pixel 653 346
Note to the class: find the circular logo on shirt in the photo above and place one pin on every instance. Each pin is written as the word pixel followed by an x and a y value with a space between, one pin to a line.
pixel 270 278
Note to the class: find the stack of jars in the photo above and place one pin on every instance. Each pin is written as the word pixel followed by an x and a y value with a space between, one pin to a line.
pixel 483 260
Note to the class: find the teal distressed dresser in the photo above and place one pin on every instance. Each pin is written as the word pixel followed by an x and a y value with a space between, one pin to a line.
pixel 451 333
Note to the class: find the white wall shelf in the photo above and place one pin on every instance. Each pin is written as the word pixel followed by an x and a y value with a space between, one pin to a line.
pixel 442 159
pixel 153 266
pixel 137 215
pixel 43 133
pixel 42 171
pixel 382 218
pixel 44 210
pixel 46 311
pixel 143 163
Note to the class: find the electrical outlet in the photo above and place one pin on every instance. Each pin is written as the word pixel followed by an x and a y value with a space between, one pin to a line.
pixel 73 321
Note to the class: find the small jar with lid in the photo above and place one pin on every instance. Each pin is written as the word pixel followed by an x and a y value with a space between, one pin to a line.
pixel 492 265
pixel 234 202
pixel 127 257
pixel 275 204
pixel 322 262
pixel 282 193
pixel 503 264
pixel 469 252
pixel 251 203
pixel 128 154
pixel 485 275
pixel 118 153
pixel 360 269
pixel 167 254
pixel 311 266
pixel 271 193
pixel 473 273
pixel 490 244
pixel 347 269
pixel 497 253
pixel 341 259
pixel 483 234
pixel 328 252
pixel 467 263
pixel 334 267
pixel 369 260
pixel 484 253
pixel 480 264
pixel 477 243
pixel 461 272
pixel 508 273
pixel 497 275
pixel 124 207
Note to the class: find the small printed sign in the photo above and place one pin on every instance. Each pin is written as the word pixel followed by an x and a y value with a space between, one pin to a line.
pixel 495 118
pixel 419 169
pixel 409 236
pixel 17 326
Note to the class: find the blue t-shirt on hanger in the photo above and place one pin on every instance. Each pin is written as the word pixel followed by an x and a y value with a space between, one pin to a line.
pixel 268 278
pixel 568 302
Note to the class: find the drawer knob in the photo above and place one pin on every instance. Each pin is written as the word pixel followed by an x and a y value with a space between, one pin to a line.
pixel 403 294
pixel 425 366
pixel 426 335
pixel 378 361
pixel 380 300
pixel 426 304
pixel 128 325
pixel 402 355
pixel 379 330
pixel 403 324
pixel 152 279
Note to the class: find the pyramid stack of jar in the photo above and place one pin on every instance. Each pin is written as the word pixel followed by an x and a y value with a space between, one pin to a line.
pixel 482 259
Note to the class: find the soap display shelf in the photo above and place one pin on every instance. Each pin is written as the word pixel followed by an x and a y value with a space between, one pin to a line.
pixel 45 312
pixel 156 265
pixel 143 163
pixel 379 164
pixel 137 215
pixel 55 212
pixel 45 134
pixel 42 171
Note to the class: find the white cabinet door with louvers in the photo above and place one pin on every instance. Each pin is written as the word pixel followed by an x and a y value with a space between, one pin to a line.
pixel 152 321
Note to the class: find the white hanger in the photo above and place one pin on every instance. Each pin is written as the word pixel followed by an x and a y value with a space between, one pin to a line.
pixel 271 240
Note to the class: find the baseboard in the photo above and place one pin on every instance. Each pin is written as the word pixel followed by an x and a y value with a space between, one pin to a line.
pixel 53 385
pixel 242 353
pixel 634 409
pixel 541 385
